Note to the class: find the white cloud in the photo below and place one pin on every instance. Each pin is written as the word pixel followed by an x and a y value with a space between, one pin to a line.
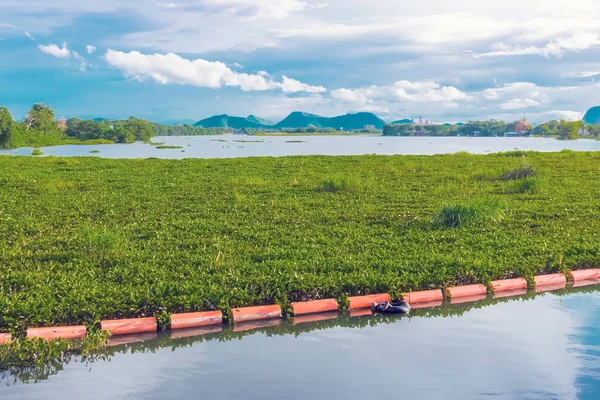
pixel 578 41
pixel 173 69
pixel 90 49
pixel 83 64
pixel 276 9
pixel 55 51
pixel 519 104
pixel 29 35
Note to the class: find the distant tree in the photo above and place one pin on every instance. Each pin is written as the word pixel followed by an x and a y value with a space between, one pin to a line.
pixel 41 118
pixel 7 127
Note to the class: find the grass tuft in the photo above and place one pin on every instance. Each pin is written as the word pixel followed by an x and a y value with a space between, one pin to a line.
pixel 457 215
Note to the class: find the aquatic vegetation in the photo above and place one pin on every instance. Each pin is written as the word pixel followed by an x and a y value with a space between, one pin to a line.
pixel 169 147
pixel 87 238
pixel 295 141
pixel 94 151
pixel 37 152
pixel 527 185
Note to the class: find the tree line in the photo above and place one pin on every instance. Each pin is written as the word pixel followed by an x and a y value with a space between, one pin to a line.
pixel 561 129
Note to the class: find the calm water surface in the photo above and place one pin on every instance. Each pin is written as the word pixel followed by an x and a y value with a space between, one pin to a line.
pixel 248 146
pixel 523 348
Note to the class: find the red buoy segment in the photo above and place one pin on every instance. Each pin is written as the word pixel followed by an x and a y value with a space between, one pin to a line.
pixel 424 296
pixel 466 291
pixel 315 306
pixel 196 319
pixel 127 326
pixel 508 284
pixel 357 302
pixel 585 274
pixel 5 338
pixel 256 313
pixel 58 332
pixel 550 280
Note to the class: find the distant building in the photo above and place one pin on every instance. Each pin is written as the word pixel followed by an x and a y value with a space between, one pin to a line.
pixel 584 132
pixel 62 123
pixel 369 128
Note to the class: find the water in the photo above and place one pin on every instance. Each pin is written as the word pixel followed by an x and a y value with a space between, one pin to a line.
pixel 513 348
pixel 250 146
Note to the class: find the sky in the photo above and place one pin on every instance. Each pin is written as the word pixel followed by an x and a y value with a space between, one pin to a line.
pixel 181 61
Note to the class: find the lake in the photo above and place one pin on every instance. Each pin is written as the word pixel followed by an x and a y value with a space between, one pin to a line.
pixel 251 146
pixel 542 347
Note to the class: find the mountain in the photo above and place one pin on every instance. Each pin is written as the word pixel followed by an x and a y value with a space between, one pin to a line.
pixel 402 122
pixel 261 121
pixel 356 121
pixel 227 121
pixel 592 116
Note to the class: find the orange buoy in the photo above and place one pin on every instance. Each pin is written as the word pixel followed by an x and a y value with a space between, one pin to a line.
pixel 5 338
pixel 314 306
pixel 508 284
pixel 251 325
pixel 550 280
pixel 126 326
pixel 357 302
pixel 56 332
pixel 427 304
pixel 424 296
pixel 131 338
pixel 466 291
pixel 361 312
pixel 195 319
pixel 588 282
pixel 256 313
pixel 585 274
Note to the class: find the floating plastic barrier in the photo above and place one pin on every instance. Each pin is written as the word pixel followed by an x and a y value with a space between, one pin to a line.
pixel 360 312
pixel 250 325
pixel 256 313
pixel 588 282
pixel 131 338
pixel 550 280
pixel 127 326
pixel 315 306
pixel 466 291
pixel 5 337
pixel 425 296
pixel 302 319
pixel 62 332
pixel 510 293
pixel 427 304
pixel 196 319
pixel 508 284
pixel 357 302
pixel 585 274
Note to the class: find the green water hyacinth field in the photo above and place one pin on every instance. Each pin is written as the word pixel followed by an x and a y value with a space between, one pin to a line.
pixel 85 239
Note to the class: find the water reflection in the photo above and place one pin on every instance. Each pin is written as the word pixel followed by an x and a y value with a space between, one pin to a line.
pixel 241 146
pixel 532 346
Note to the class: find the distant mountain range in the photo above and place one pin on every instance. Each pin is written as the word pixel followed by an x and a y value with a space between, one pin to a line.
pixel 296 120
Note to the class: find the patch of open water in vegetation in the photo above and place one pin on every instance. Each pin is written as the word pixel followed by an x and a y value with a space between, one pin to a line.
pixel 227 146
pixel 542 347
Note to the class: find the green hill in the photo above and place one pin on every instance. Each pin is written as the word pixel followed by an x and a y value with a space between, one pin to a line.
pixel 356 121
pixel 227 121
pixel 402 121
pixel 592 116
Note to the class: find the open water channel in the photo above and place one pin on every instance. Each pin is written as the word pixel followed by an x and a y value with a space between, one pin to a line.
pixel 544 346
pixel 253 146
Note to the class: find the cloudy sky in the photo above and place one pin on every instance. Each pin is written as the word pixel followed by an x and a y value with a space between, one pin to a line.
pixel 447 60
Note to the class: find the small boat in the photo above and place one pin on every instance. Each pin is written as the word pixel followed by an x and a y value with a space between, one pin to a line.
pixel 395 307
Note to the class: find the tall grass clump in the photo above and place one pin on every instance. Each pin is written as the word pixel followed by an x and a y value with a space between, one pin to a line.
pixel 37 152
pixel 457 215
pixel 336 184
pixel 102 243
pixel 526 186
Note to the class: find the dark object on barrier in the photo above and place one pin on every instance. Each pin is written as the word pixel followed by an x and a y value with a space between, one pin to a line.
pixel 396 307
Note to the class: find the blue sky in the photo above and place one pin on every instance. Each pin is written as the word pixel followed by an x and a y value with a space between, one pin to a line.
pixel 181 61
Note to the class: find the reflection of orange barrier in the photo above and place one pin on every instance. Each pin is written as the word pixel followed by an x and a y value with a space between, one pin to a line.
pixel 314 306
pixel 126 326
pixel 191 332
pixel 315 317
pixel 131 338
pixel 247 326
pixel 5 337
pixel 256 313
pixel 423 296
pixel 508 284
pixel 549 288
pixel 63 332
pixel 588 282
pixel 367 301
pixel 550 280
pixel 192 320
pixel 467 299
pixel 427 304
pixel 361 312
pixel 510 293
pixel 466 291
pixel 585 274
